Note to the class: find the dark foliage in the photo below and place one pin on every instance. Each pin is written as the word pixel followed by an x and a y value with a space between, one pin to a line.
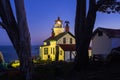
pixel 84 25
pixel 114 56
pixel 108 6
pixel 18 32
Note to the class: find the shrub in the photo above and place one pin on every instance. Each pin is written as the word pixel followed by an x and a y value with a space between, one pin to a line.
pixel 114 56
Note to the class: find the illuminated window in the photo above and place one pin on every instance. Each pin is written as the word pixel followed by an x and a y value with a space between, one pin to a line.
pixel 45 51
pixel 64 40
pixel 59 22
pixel 53 51
pixel 70 40
pixel 60 52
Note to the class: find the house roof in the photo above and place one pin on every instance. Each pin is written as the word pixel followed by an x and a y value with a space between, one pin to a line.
pixel 112 33
pixel 68 47
pixel 58 36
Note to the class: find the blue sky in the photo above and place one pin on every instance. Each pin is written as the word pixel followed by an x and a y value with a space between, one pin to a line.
pixel 41 15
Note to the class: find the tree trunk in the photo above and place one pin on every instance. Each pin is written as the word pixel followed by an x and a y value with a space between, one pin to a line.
pixel 25 44
pixel 83 31
pixel 18 33
pixel 80 32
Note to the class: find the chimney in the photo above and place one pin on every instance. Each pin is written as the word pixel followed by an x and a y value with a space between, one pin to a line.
pixel 52 34
pixel 67 26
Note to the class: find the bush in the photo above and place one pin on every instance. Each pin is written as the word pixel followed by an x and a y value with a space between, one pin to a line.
pixel 114 56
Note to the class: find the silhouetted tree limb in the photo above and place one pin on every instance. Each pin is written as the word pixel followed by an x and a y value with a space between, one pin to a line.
pixel 80 29
pixel 18 33
pixel 84 24
pixel 2 25
pixel 108 6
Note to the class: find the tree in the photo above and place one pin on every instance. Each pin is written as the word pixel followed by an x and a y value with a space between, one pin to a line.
pixel 84 24
pixel 18 32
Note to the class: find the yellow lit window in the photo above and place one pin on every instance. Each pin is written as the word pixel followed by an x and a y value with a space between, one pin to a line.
pixel 53 51
pixel 60 52
pixel 45 50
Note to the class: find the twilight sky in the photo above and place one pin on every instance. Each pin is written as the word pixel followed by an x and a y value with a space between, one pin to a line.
pixel 41 15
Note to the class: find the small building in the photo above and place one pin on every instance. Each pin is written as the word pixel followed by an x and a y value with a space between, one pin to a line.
pixel 60 45
pixel 104 40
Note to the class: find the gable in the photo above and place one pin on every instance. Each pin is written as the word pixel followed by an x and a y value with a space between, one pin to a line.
pixel 68 37
pixel 58 36
pixel 100 37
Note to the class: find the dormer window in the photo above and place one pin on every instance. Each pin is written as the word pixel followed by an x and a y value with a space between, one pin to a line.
pixel 70 40
pixel 64 40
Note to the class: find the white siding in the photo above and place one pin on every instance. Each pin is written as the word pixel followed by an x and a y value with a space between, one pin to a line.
pixel 67 55
pixel 101 44
pixel 67 36
pixel 73 55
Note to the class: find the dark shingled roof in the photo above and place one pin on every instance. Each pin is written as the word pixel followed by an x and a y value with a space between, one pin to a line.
pixel 58 36
pixel 114 33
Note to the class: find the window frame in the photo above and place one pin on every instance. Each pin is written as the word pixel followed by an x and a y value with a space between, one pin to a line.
pixel 64 40
pixel 71 40
pixel 60 52
pixel 45 51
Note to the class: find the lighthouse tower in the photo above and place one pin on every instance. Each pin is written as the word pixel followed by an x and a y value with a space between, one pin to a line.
pixel 58 27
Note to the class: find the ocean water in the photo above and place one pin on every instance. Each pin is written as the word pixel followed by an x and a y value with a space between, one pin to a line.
pixel 10 54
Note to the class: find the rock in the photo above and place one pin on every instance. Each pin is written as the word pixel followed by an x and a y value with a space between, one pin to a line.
pixel 1 57
pixel 3 65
